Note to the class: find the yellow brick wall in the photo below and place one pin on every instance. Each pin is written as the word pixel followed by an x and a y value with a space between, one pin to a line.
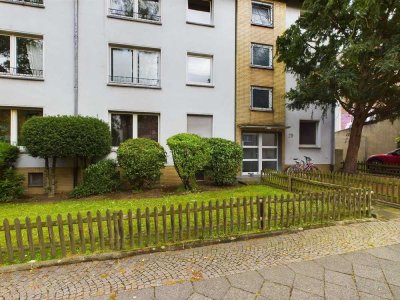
pixel 247 76
pixel 169 177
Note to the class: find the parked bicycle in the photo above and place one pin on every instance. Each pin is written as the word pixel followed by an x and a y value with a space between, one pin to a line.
pixel 302 166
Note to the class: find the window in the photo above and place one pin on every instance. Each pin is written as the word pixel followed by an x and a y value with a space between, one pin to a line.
pixel 262 14
pixel 201 125
pixel 135 66
pixel 21 56
pixel 260 151
pixel 199 69
pixel 308 133
pixel 35 179
pixel 199 11
pixel 261 98
pixel 128 125
pixel 136 9
pixel 32 2
pixel 261 56
pixel 11 121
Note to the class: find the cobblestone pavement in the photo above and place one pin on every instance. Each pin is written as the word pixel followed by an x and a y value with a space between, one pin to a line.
pixel 308 265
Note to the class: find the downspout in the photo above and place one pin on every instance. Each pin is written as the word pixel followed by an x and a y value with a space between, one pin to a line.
pixel 76 82
pixel 333 141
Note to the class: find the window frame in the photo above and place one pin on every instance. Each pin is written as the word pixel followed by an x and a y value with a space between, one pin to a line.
pixel 13 57
pixel 270 48
pixel 135 125
pixel 271 94
pixel 200 115
pixel 23 3
pixel 14 121
pixel 137 49
pixel 211 24
pixel 135 18
pixel 30 182
pixel 266 4
pixel 317 134
pixel 200 84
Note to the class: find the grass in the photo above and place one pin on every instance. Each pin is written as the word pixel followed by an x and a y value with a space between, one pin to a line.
pixel 34 209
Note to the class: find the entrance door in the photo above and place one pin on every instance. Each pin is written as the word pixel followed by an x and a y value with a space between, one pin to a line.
pixel 261 151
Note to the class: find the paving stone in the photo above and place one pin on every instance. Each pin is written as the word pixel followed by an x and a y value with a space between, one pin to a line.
pixel 301 295
pixel 335 263
pixel 236 294
pixel 175 291
pixel 340 279
pixel 214 288
pixel 248 281
pixel 395 289
pixel 385 253
pixel 145 294
pixel 373 287
pixel 281 274
pixel 362 258
pixel 308 268
pixel 309 285
pixel 271 290
pixel 369 272
pixel 196 296
pixel 365 296
pixel 333 291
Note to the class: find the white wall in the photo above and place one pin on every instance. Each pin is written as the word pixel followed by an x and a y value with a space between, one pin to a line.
pixel 174 37
pixel 321 154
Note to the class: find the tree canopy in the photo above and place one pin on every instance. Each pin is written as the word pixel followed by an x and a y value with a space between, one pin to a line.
pixel 347 52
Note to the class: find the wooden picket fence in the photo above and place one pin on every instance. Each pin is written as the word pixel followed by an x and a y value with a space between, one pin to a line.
pixel 116 231
pixel 384 169
pixel 385 189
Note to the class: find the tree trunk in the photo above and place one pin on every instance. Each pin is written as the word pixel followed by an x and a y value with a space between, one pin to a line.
pixel 47 175
pixel 350 164
pixel 53 178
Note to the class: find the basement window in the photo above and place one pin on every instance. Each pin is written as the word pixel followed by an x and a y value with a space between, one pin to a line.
pixel 35 179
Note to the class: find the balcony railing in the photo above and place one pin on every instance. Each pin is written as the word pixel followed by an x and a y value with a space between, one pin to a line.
pixel 31 2
pixel 134 15
pixel 134 81
pixel 21 73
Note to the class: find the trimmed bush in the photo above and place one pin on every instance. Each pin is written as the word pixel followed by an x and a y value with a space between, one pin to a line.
pixel 99 178
pixel 142 160
pixel 226 159
pixel 191 154
pixel 11 184
pixel 55 137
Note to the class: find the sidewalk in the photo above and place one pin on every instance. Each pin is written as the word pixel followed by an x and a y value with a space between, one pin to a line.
pixel 306 265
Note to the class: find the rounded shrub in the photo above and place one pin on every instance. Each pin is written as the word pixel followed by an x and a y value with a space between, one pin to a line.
pixel 11 184
pixel 99 178
pixel 142 161
pixel 225 162
pixel 191 153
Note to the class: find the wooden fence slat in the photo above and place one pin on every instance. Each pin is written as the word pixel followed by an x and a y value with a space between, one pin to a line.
pixel 210 219
pixel 180 222
pixel 100 230
pixel 116 230
pixel 139 226
pixel 217 213
pixel 258 209
pixel 130 229
pixel 91 231
pixel 275 211
pixel 109 229
pixel 225 222
pixel 172 217
pixel 29 236
pixel 18 235
pixel 281 206
pixel 231 214
pixel 164 223
pixel 269 213
pixel 156 229
pixel 51 236
pixel 121 230
pixel 239 225
pixel 71 234
pixel 196 221
pixel 42 246
pixel 203 220
pixel 263 213
pixel 188 221
pixel 251 213
pixel 288 199
pixel 148 229
pixel 61 235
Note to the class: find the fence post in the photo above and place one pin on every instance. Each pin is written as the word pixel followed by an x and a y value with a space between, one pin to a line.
pixel 290 183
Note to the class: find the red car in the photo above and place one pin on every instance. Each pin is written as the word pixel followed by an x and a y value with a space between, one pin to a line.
pixel 391 158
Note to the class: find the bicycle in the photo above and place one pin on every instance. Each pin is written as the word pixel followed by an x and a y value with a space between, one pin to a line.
pixel 302 166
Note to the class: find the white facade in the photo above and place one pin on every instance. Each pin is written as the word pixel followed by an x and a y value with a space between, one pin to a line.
pixel 321 151
pixel 173 37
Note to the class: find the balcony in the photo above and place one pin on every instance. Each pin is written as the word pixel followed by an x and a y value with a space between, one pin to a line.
pixel 130 15
pixel 134 81
pixel 21 73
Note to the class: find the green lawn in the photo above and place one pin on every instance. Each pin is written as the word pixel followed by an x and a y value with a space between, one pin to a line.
pixel 22 210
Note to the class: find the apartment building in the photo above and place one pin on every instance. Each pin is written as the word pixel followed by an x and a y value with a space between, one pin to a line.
pixel 271 135
pixel 150 68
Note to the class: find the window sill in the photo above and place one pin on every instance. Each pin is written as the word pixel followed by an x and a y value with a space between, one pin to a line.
pixel 141 86
pixel 21 77
pixel 261 25
pixel 200 24
pixel 200 85
pixel 261 67
pixel 261 109
pixel 309 147
pixel 37 5
pixel 134 19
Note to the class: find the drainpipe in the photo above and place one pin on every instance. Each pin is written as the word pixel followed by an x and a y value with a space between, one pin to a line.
pixel 76 40
pixel 333 140
pixel 76 83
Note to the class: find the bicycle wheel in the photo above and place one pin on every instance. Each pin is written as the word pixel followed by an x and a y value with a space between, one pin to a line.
pixel 292 170
pixel 313 169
